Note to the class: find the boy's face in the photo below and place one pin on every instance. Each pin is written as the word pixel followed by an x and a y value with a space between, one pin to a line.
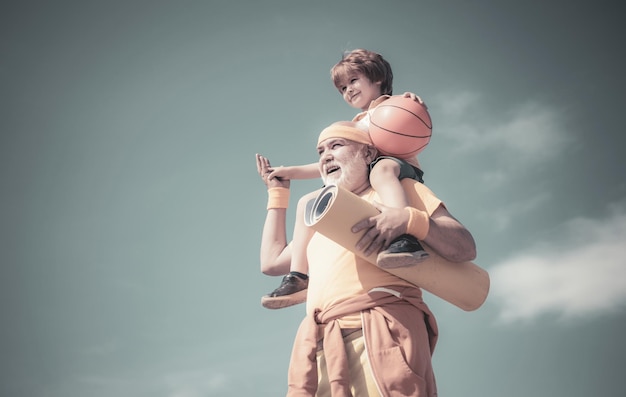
pixel 358 91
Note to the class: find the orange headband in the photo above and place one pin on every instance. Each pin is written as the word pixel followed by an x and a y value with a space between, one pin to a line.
pixel 338 130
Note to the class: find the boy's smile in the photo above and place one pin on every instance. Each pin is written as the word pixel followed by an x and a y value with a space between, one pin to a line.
pixel 358 91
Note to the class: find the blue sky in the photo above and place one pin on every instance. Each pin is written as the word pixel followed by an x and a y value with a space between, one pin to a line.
pixel 131 211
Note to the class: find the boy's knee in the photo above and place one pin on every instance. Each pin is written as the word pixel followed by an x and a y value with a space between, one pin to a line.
pixel 385 168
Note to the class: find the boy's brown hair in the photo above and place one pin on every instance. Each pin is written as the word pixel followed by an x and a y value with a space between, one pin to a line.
pixel 370 64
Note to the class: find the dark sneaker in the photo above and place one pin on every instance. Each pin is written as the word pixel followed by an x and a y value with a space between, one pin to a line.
pixel 292 291
pixel 404 251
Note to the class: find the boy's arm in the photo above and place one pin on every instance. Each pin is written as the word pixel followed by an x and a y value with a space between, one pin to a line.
pixel 308 171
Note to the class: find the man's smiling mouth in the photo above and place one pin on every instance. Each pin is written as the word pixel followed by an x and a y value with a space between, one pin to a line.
pixel 331 169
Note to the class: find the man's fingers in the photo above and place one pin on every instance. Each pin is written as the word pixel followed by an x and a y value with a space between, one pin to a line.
pixel 368 240
pixel 375 246
pixel 362 224
pixel 259 164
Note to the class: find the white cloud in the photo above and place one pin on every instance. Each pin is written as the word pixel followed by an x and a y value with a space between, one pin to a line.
pixel 523 134
pixel 185 383
pixel 532 131
pixel 458 105
pixel 502 216
pixel 582 274
pixel 103 349
pixel 197 383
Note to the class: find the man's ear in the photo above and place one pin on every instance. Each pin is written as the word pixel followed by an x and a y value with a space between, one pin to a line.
pixel 370 153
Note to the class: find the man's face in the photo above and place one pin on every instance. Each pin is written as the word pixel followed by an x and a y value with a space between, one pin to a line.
pixel 343 163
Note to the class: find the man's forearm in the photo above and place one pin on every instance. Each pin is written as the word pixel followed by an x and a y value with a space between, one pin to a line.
pixel 450 239
pixel 274 248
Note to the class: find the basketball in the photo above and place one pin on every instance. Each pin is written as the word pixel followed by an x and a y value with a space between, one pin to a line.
pixel 400 127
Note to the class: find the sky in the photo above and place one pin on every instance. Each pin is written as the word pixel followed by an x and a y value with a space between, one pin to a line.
pixel 131 211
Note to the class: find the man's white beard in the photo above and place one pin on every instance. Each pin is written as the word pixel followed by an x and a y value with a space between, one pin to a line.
pixel 352 174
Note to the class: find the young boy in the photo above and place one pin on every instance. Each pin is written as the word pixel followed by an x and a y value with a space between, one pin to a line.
pixel 364 79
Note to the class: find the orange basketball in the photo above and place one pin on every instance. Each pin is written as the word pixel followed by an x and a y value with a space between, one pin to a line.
pixel 400 127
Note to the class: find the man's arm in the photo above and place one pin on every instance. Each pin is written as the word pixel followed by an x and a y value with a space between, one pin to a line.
pixel 449 238
pixel 275 252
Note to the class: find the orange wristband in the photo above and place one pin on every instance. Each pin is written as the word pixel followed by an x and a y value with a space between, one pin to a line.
pixel 418 224
pixel 277 197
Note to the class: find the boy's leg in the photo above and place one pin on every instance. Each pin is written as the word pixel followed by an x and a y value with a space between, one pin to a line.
pixel 384 179
pixel 293 287
pixel 406 249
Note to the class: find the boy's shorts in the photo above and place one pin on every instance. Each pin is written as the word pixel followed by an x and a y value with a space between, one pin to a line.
pixel 406 170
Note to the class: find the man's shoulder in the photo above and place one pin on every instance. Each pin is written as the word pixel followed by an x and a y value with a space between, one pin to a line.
pixel 420 196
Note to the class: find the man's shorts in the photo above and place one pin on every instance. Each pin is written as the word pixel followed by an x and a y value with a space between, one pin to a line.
pixel 362 381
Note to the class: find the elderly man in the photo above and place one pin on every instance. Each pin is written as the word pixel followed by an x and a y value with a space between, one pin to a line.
pixel 366 331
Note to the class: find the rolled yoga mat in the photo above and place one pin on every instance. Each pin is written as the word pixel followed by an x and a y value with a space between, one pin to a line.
pixel 335 210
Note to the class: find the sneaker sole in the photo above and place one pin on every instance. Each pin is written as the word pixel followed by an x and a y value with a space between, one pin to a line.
pixel 278 302
pixel 394 261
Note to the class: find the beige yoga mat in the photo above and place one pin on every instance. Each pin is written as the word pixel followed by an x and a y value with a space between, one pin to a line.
pixel 335 210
